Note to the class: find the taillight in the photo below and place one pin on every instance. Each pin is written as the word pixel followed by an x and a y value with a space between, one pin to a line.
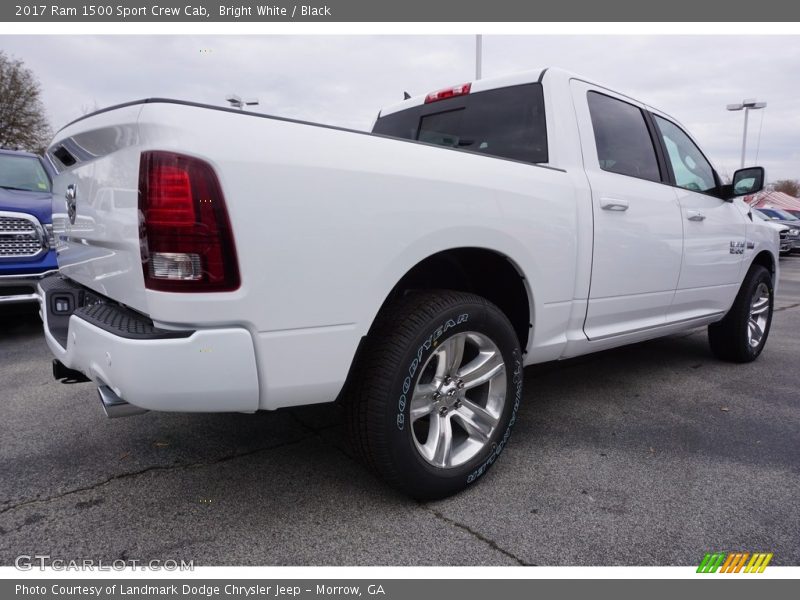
pixel 451 92
pixel 184 231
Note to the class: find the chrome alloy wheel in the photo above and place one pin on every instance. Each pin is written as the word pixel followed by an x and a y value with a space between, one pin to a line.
pixel 759 312
pixel 459 399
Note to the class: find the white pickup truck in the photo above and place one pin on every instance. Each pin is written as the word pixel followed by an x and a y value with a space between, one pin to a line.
pixel 216 260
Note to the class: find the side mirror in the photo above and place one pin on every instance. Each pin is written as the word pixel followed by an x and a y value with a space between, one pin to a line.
pixel 747 181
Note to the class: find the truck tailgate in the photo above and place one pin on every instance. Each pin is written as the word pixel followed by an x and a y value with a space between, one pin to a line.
pixel 95 204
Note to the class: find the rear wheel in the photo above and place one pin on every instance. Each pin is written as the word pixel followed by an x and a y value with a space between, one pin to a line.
pixel 438 387
pixel 742 334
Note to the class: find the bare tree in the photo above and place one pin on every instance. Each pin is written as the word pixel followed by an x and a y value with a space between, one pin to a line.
pixel 787 186
pixel 23 123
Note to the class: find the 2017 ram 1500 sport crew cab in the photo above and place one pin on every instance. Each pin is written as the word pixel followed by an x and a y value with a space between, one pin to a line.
pixel 217 260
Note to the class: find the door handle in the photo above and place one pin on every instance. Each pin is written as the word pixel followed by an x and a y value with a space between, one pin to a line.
pixel 695 215
pixel 613 204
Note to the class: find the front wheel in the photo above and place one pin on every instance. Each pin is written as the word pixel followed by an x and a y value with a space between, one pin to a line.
pixel 742 334
pixel 438 386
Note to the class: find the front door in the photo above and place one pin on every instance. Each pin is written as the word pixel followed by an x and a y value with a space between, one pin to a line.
pixel 714 230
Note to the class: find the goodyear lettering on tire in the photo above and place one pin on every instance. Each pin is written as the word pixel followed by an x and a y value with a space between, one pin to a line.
pixel 497 449
pixel 426 345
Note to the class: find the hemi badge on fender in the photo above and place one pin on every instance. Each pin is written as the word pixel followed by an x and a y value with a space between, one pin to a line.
pixel 751 245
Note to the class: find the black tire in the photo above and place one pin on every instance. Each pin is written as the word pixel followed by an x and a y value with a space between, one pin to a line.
pixel 403 349
pixel 729 338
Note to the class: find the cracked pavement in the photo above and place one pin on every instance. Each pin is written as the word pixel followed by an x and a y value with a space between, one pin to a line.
pixel 647 455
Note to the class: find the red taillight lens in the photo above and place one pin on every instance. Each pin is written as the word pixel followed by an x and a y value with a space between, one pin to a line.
pixel 185 234
pixel 170 200
pixel 451 92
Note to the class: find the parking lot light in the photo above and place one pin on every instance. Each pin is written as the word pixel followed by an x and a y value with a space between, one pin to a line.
pixel 747 106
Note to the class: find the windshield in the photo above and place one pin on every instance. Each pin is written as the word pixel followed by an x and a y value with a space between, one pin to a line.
pixel 786 216
pixel 23 173
pixel 774 213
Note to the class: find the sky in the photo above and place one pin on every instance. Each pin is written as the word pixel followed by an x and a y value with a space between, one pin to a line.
pixel 344 80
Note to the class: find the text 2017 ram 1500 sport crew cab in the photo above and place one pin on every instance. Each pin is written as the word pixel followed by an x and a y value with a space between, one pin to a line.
pixel 217 260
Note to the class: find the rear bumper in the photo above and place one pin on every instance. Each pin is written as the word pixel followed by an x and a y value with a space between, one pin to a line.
pixel 207 370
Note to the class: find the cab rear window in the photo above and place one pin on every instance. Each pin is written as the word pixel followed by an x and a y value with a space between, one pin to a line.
pixel 507 122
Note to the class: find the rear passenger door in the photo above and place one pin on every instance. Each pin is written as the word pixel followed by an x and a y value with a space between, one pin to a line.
pixel 638 230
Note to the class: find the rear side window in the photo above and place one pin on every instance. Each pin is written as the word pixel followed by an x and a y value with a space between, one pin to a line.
pixel 623 141
pixel 507 122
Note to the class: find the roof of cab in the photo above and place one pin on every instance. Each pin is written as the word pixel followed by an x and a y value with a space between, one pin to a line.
pixel 520 78
pixel 480 85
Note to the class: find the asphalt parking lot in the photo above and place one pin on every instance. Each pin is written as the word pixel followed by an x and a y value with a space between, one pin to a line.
pixel 648 455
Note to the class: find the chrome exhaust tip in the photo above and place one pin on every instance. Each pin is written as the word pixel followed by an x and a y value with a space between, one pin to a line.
pixel 116 407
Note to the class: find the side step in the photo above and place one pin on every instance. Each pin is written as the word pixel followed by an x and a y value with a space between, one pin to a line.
pixel 115 406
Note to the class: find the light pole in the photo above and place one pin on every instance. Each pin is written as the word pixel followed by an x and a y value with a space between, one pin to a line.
pixel 747 106
pixel 237 102
pixel 478 56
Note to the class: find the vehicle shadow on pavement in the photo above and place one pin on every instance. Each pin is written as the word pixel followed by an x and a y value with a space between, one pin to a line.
pixel 19 320
pixel 666 396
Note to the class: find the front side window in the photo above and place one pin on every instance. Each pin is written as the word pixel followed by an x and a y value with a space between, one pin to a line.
pixel 23 173
pixel 623 141
pixel 692 170
pixel 507 122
